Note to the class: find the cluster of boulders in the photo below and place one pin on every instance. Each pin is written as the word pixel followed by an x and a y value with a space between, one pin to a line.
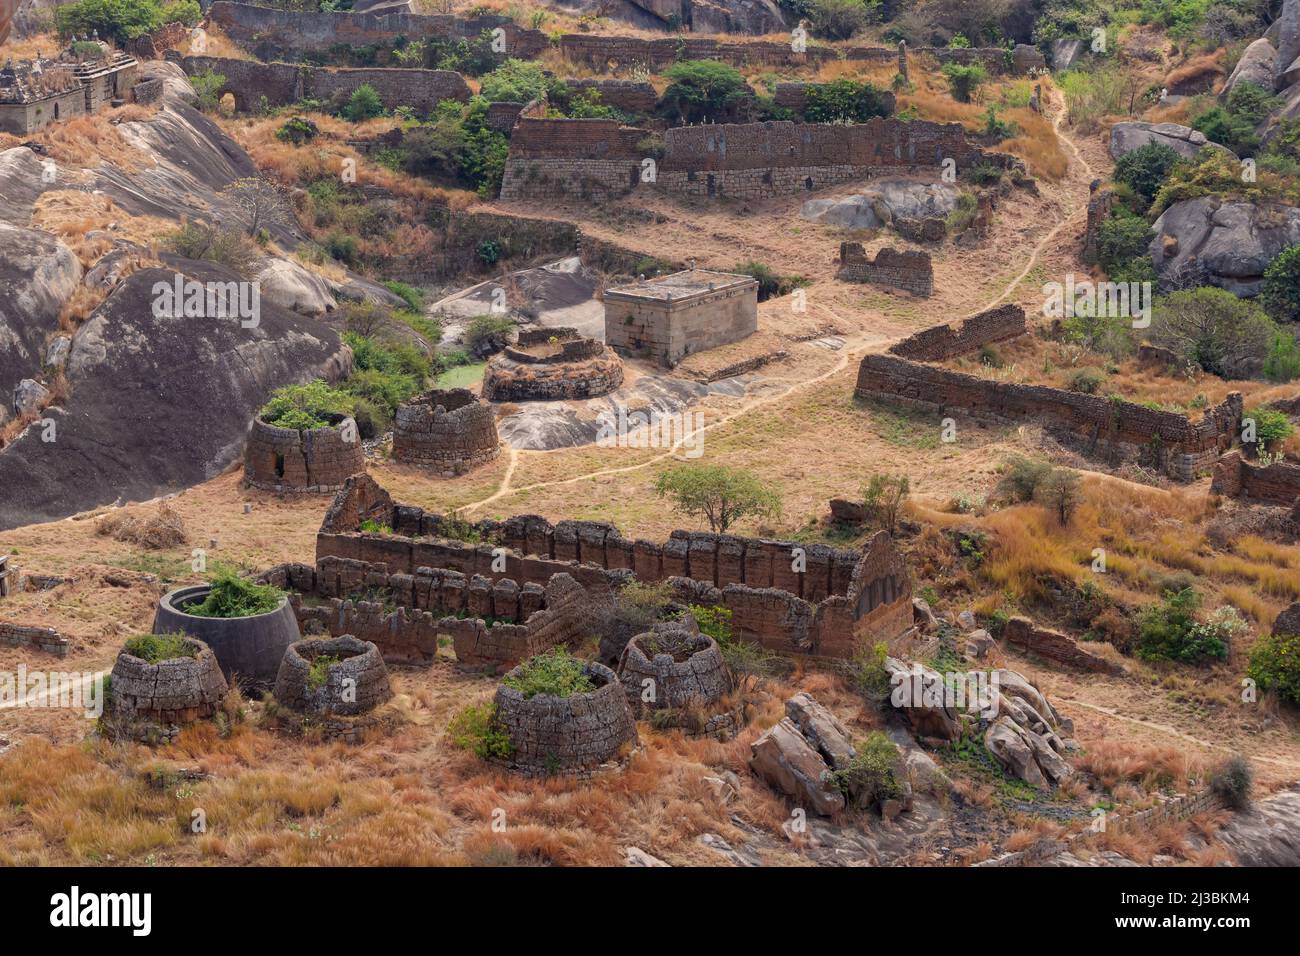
pixel 800 754
pixel 1018 725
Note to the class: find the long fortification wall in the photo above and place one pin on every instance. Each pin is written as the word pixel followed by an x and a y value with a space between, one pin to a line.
pixel 941 342
pixel 284 83
pixel 1105 427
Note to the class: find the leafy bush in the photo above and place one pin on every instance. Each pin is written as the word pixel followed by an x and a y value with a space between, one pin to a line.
pixel 154 648
pixel 1087 380
pixel 720 493
pixel 1281 295
pixel 1233 125
pixel 1275 665
pixel 841 19
pixel 116 20
pixel 1231 780
pixel 483 328
pixel 1283 361
pixel 1121 239
pixel 232 596
pixel 964 81
pixel 714 622
pixel 1023 476
pixel 874 774
pixel 769 282
pixel 699 90
pixel 553 672
pixel 1271 425
pixel 364 104
pixel 1144 170
pixel 1214 329
pixel 1216 173
pixel 477 729
pixel 844 101
pixel 870 674
pixel 318 672
pixel 228 247
pixel 1170 631
pixel 516 81
pixel 297 130
pixel 305 406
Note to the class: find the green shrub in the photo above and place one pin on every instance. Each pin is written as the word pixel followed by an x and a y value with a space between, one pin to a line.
pixel 1023 476
pixel 1271 425
pixel 365 103
pixel 305 406
pixel 769 282
pixel 1275 665
pixel 117 20
pixel 413 297
pixel 700 90
pixel 844 101
pixel 477 729
pixel 714 622
pixel 964 81
pixel 1087 381
pixel 483 328
pixel 227 247
pixel 553 672
pixel 1144 170
pixel 1212 328
pixel 318 672
pixel 870 674
pixel 1233 125
pixel 232 596
pixel 874 774
pixel 516 81
pixel 297 130
pixel 154 648
pixel 1283 361
pixel 1231 780
pixel 1170 630
pixel 840 19
pixel 1281 295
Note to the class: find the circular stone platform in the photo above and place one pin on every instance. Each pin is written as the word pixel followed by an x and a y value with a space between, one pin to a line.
pixel 552 365
pixel 316 460
pixel 449 431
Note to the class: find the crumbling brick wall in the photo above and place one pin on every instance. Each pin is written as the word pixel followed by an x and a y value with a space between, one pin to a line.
pixel 908 270
pixel 34 638
pixel 1278 483
pixel 286 83
pixel 317 460
pixel 1103 427
pixel 941 342
pixel 177 691
pixel 1055 647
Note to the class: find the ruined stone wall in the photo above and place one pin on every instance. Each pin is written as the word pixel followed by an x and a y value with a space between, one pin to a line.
pixel 1278 483
pixel 150 46
pixel 270 33
pixel 908 270
pixel 147 92
pixel 316 460
pixel 503 116
pixel 1055 647
pixel 285 83
pixel 34 638
pixel 598 159
pixel 634 97
pixel 941 342
pixel 1113 429
pixel 583 368
pixel 355 684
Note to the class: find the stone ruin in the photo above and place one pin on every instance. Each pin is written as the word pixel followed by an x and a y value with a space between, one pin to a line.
pixel 343 704
pixel 667 318
pixel 449 432
pixel 315 460
pixel 803 600
pixel 552 735
pixel 549 365
pixel 909 270
pixel 676 677
pixel 153 702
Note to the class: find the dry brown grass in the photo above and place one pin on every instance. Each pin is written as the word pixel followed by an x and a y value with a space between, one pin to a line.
pixel 86 141
pixel 160 527
pixel 1207 68
pixel 1150 768
pixel 71 214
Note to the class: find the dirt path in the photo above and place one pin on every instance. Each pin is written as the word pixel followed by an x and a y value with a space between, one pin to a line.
pixel 853 349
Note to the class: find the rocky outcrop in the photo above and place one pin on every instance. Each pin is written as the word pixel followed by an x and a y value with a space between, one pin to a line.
pixel 38 275
pixel 1288 41
pixel 1255 66
pixel 787 761
pixel 1065 52
pixel 886 202
pixel 1185 141
pixel 1207 241
pixel 157 403
pixel 1267 834
pixel 289 285
pixel 753 17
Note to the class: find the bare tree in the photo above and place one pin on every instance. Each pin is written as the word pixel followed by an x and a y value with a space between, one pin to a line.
pixel 258 203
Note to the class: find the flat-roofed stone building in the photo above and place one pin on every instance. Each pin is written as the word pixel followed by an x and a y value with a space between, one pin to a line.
pixel 84 78
pixel 668 318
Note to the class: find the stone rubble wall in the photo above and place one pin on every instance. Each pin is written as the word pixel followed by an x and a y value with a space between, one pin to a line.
pixel 1278 483
pixel 635 97
pixel 450 442
pixel 285 83
pixel 147 92
pixel 34 638
pixel 317 460
pixel 585 369
pixel 553 735
pixel 431 603
pixel 1102 427
pixel 1055 647
pixel 699 681
pixel 941 342
pixel 908 270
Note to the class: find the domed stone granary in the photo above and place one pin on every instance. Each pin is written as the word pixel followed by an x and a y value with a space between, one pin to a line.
pixel 159 683
pixel 676 677
pixel 575 734
pixel 447 431
pixel 336 683
pixel 311 460
pixel 552 364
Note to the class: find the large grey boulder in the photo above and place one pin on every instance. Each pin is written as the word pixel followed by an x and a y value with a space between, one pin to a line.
pixel 1267 834
pixel 1255 66
pixel 287 284
pixel 38 275
pixel 1288 38
pixel 787 761
pixel 883 203
pixel 1185 141
pixel 1227 244
pixel 821 729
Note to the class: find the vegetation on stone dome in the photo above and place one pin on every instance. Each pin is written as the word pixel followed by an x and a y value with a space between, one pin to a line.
pixel 554 673
pixel 231 596
pixel 155 648
pixel 307 406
